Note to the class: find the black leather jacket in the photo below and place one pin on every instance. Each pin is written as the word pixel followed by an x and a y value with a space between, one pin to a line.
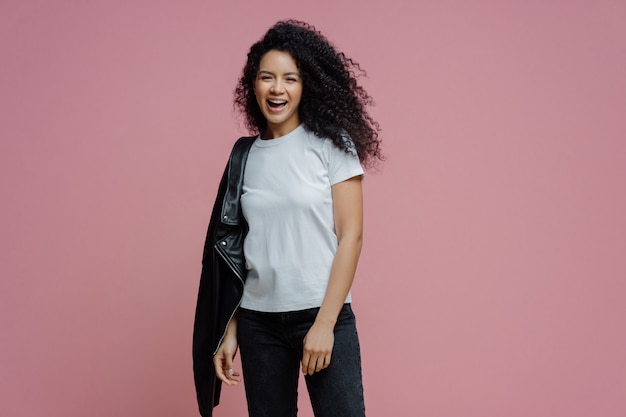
pixel 223 276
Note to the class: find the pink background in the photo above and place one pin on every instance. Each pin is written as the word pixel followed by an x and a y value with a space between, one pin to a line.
pixel 492 279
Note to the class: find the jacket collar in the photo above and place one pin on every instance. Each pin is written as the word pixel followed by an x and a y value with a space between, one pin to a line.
pixel 231 209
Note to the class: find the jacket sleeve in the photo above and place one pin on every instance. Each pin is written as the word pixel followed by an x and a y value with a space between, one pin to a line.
pixel 205 324
pixel 221 281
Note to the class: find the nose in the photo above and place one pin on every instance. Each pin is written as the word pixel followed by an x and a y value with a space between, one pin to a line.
pixel 277 87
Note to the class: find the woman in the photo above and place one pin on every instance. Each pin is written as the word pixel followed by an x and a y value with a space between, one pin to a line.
pixel 285 233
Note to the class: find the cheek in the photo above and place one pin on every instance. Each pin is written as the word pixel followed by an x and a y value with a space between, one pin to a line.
pixel 298 95
pixel 258 91
pixel 259 102
pixel 257 87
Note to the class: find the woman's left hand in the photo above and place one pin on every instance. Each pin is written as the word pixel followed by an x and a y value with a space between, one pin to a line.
pixel 318 348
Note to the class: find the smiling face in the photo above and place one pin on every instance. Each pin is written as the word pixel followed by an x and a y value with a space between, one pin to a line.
pixel 278 90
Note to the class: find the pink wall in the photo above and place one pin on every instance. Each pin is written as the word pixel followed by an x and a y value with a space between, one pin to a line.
pixel 493 275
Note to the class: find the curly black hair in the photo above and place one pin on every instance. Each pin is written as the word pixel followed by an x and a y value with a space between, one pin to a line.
pixel 333 104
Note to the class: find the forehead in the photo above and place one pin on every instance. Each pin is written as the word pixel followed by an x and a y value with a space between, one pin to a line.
pixel 274 60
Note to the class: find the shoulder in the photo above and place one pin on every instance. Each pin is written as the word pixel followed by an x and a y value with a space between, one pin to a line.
pixel 241 147
pixel 244 142
pixel 311 139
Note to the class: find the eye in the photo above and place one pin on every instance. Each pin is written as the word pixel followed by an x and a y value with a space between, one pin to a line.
pixel 265 77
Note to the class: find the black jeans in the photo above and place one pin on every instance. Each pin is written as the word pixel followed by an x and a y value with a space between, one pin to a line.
pixel 271 351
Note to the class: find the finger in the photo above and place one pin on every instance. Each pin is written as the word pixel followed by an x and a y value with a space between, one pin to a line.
pixel 228 366
pixel 227 376
pixel 320 364
pixel 312 365
pixel 230 373
pixel 327 361
pixel 233 376
pixel 224 372
pixel 219 372
pixel 309 360
pixel 306 358
pixel 323 363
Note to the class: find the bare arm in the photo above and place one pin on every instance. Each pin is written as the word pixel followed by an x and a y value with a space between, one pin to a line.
pixel 348 213
pixel 223 359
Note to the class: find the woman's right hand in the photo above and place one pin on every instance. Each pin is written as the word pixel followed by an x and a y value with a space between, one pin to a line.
pixel 223 359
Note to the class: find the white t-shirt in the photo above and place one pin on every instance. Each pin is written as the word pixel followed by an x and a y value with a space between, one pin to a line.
pixel 288 205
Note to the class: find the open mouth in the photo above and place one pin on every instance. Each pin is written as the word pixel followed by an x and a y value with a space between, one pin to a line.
pixel 276 105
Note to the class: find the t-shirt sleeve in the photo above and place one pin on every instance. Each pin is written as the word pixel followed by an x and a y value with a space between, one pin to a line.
pixel 342 165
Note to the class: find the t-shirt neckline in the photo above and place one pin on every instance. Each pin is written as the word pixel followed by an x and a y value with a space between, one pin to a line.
pixel 279 140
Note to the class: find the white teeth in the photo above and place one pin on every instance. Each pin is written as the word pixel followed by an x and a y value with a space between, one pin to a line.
pixel 277 101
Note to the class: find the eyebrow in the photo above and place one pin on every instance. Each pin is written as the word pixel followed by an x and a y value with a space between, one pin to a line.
pixel 271 73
